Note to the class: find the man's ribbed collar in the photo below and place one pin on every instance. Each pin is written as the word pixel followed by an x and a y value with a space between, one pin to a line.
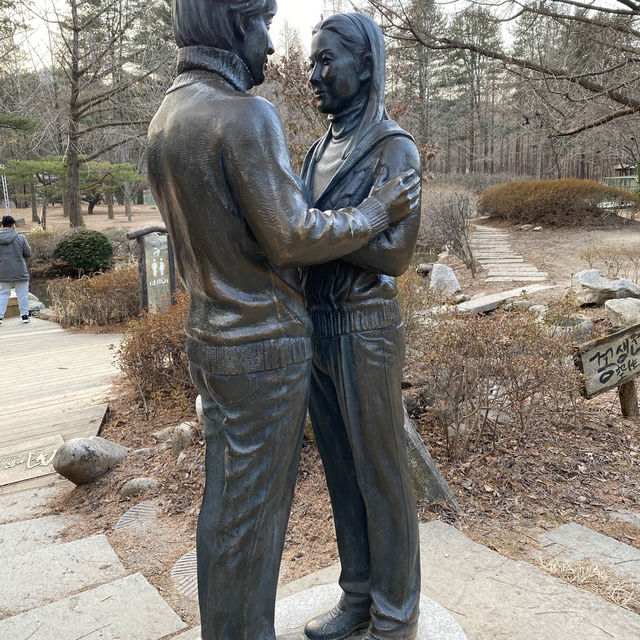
pixel 226 64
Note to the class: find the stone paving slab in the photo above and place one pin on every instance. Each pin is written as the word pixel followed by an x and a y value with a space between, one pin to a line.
pixel 23 537
pixel 514 279
pixel 482 304
pixel 127 609
pixel 495 598
pixel 575 543
pixel 38 577
pixel 21 505
pixel 192 634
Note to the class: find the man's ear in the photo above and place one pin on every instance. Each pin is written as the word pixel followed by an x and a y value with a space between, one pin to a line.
pixel 240 24
pixel 366 67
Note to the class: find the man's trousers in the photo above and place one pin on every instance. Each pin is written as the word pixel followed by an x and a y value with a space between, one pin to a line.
pixel 254 425
pixel 358 420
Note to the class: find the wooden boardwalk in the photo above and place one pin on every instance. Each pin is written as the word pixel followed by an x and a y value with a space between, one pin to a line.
pixel 53 383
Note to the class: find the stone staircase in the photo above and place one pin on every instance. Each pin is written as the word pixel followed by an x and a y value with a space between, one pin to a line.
pixel 54 590
pixel 492 250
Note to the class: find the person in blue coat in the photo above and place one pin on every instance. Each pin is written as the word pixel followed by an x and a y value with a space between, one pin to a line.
pixel 14 250
pixel 358 346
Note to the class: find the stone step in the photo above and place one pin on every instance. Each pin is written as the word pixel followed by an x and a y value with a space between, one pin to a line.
pixel 192 634
pixel 127 609
pixel 511 272
pixel 35 578
pixel 23 537
pixel 516 279
pixel 22 505
pixel 485 303
pixel 575 543
pixel 495 598
pixel 628 516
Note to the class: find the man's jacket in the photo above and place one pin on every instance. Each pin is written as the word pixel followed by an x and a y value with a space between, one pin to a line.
pixel 14 248
pixel 220 172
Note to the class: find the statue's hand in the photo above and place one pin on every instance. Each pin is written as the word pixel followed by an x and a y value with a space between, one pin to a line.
pixel 400 195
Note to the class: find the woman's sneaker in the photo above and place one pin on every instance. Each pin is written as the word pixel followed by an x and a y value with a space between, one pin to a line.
pixel 25 319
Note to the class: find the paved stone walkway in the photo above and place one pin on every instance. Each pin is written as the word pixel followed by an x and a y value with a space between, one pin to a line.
pixel 492 250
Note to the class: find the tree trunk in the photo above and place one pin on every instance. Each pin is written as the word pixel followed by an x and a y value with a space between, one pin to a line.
pixel 127 200
pixel 109 199
pixel 34 204
pixel 92 204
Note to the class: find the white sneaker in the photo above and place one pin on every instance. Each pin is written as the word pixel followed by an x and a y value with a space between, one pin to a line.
pixel 25 319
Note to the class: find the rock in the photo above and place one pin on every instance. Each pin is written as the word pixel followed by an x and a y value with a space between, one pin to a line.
pixel 199 410
pixel 47 314
pixel 427 482
pixel 576 327
pixel 181 458
pixel 164 434
pixel 142 452
pixel 443 255
pixel 459 298
pixel 83 460
pixel 537 228
pixel 35 306
pixel 182 437
pixel 137 486
pixel 591 287
pixel 624 312
pixel 526 227
pixel 424 269
pixel 443 281
pixel 540 310
pixel 410 402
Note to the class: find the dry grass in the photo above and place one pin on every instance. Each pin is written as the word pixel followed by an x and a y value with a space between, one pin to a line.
pixel 599 580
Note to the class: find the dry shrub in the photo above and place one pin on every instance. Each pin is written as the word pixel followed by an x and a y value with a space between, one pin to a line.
pixel 616 262
pixel 102 299
pixel 447 212
pixel 599 580
pixel 476 183
pixel 490 378
pixel 555 202
pixel 43 244
pixel 152 353
pixel 414 297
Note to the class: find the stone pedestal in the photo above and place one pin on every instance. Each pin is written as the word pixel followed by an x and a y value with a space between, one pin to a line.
pixel 436 623
pixel 12 308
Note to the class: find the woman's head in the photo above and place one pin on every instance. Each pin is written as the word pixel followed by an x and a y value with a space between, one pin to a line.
pixel 348 62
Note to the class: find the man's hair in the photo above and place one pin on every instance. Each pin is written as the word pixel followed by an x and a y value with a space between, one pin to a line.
pixel 8 221
pixel 213 23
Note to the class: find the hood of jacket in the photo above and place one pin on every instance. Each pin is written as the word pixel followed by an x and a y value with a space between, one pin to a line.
pixel 7 236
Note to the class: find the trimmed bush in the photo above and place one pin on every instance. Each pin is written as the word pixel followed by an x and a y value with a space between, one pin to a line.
pixel 106 298
pixel 554 202
pixel 85 250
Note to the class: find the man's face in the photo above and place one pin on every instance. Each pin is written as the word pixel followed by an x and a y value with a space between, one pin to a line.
pixel 256 45
pixel 335 77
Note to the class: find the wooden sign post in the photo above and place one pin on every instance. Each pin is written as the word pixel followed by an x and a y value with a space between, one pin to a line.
pixel 610 362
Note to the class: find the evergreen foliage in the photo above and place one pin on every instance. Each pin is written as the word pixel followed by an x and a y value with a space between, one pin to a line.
pixel 84 250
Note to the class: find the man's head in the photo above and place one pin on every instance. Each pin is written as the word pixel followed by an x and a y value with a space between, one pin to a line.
pixel 8 222
pixel 240 26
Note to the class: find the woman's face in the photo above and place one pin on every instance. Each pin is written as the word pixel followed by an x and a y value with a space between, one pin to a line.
pixel 335 77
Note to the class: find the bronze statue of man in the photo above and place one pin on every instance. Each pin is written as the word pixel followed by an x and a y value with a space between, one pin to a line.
pixel 358 347
pixel 240 227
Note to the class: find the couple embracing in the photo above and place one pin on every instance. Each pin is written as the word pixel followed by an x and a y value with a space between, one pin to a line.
pixel 292 306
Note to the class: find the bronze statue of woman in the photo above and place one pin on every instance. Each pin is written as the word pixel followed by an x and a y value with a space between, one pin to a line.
pixel 358 346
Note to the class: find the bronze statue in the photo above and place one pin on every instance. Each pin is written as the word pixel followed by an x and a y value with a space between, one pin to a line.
pixel 358 347
pixel 240 226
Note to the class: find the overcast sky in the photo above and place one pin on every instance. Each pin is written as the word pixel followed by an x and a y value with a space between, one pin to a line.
pixel 300 14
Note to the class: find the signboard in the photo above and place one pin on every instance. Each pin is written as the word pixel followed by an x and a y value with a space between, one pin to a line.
pixel 28 460
pixel 157 271
pixel 609 362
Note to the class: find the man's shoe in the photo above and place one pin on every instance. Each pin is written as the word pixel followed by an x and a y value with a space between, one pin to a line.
pixel 336 624
pixel 25 319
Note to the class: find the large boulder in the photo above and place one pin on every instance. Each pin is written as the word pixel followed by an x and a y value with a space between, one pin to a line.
pixel 591 287
pixel 443 281
pixel 84 460
pixel 624 312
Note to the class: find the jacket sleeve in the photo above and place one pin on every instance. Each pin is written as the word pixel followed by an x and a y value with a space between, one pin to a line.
pixel 391 252
pixel 26 248
pixel 273 203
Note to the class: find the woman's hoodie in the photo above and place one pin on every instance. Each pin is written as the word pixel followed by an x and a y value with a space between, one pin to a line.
pixel 14 248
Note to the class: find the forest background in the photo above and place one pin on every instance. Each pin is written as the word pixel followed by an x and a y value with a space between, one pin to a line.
pixel 545 89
